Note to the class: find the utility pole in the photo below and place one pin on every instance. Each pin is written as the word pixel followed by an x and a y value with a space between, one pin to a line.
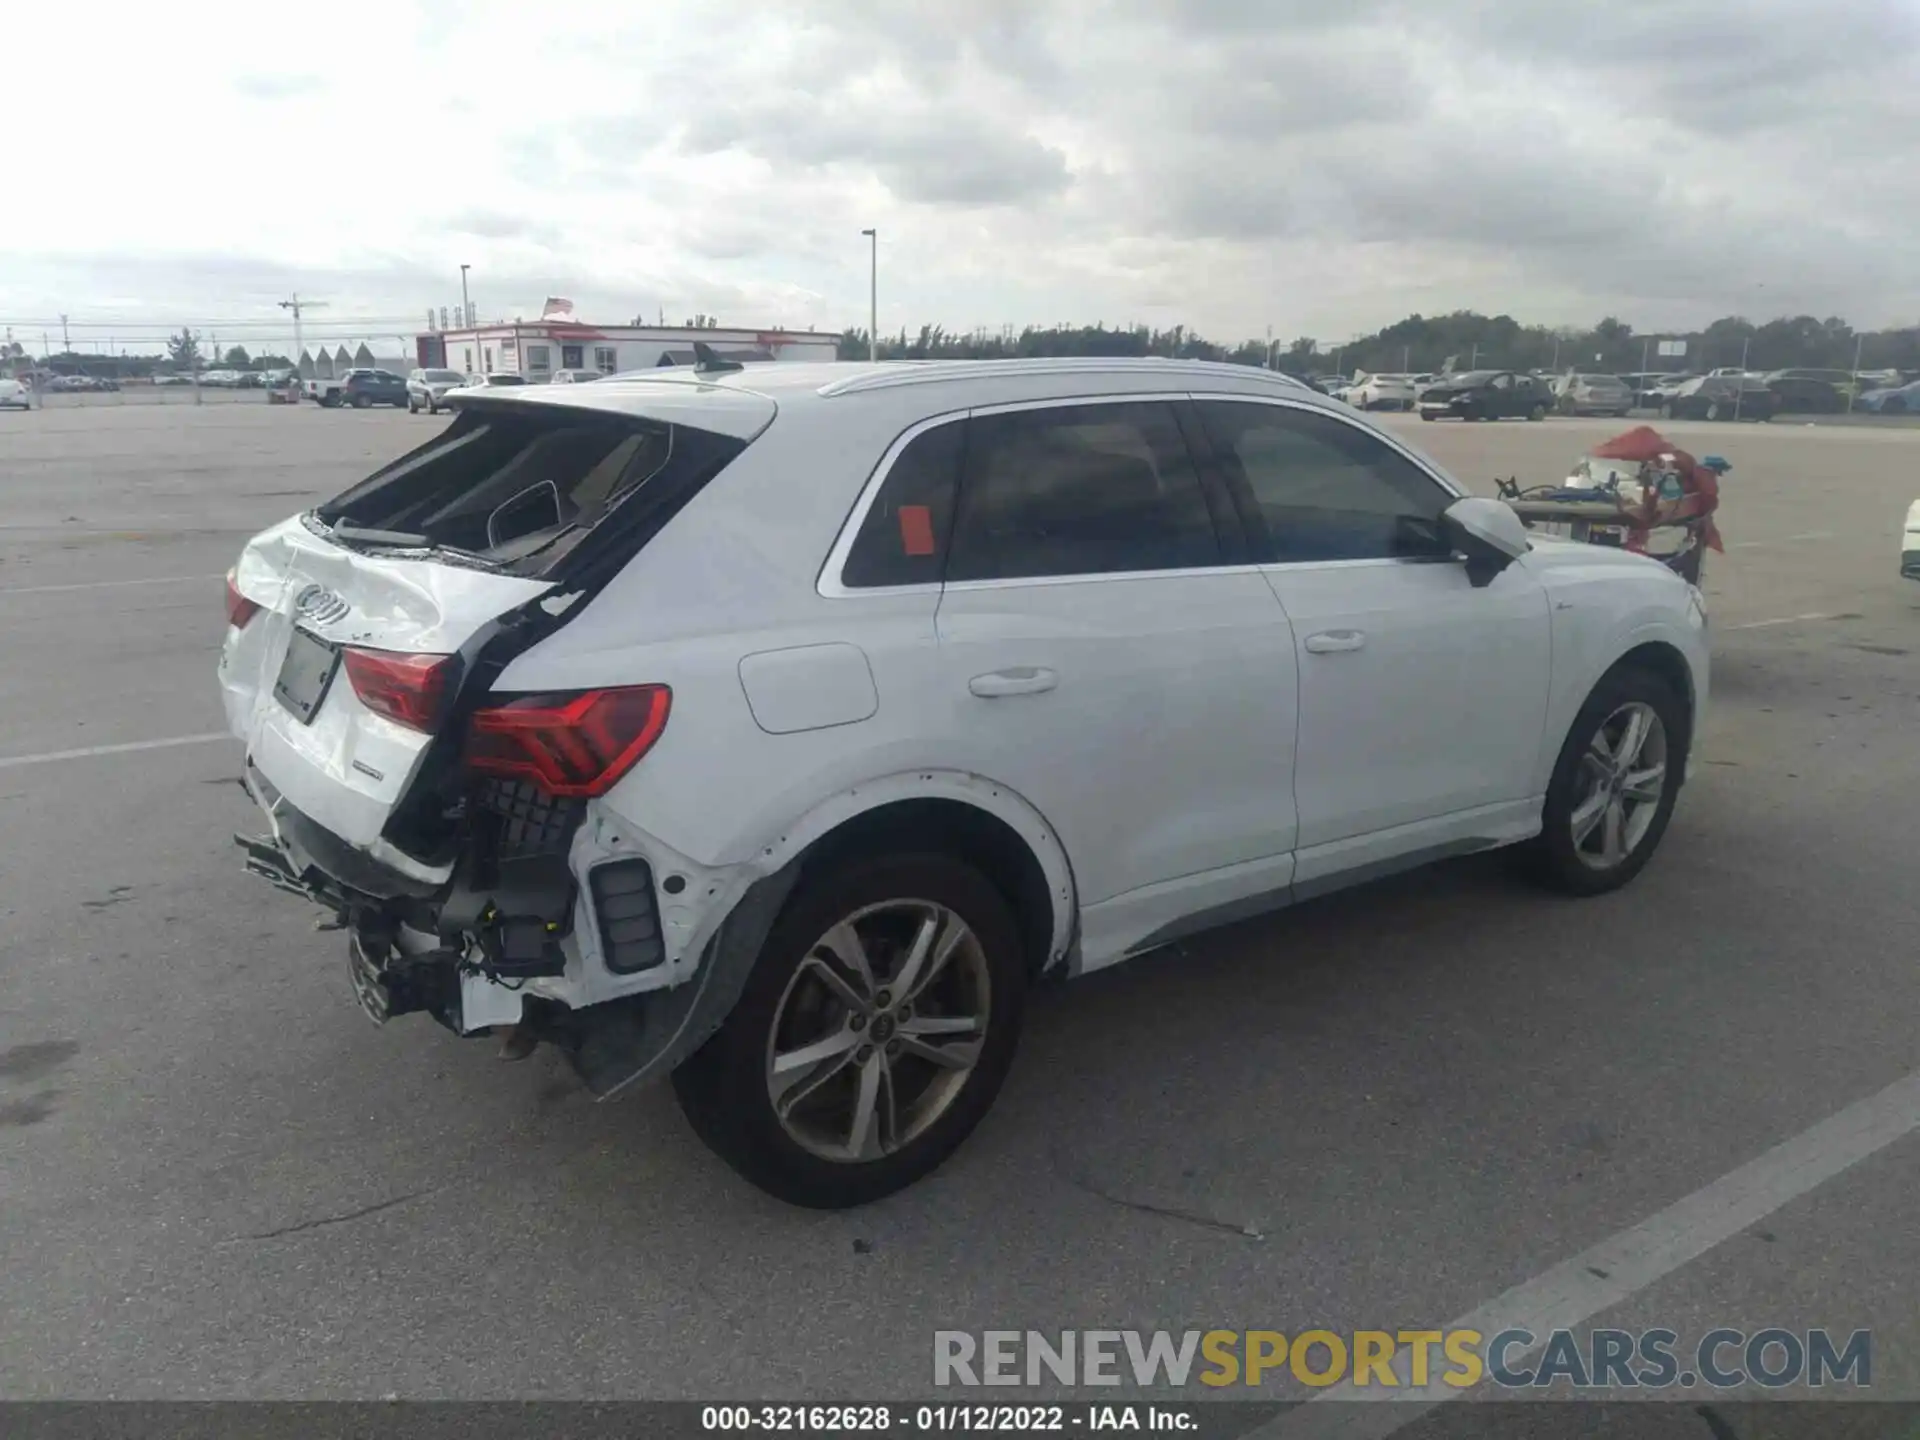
pixel 1740 389
pixel 65 343
pixel 1269 347
pixel 466 305
pixel 873 295
pixel 1859 342
pixel 296 305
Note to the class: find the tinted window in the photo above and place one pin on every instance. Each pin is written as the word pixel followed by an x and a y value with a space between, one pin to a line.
pixel 903 540
pixel 1079 490
pixel 1325 489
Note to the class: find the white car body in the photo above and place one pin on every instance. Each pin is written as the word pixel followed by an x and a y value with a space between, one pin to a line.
pixel 1167 748
pixel 1383 392
pixel 14 395
pixel 1910 543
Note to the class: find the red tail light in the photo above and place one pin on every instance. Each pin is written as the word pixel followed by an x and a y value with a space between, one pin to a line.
pixel 239 608
pixel 579 745
pixel 410 690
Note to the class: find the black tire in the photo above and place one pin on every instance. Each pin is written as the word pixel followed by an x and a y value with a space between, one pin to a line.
pixel 1551 858
pixel 1426 415
pixel 723 1090
pixel 362 400
pixel 1538 412
pixel 1893 405
pixel 412 407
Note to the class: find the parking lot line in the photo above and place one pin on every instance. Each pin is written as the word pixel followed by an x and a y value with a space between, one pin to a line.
pixel 104 584
pixel 47 757
pixel 1620 1266
pixel 1779 620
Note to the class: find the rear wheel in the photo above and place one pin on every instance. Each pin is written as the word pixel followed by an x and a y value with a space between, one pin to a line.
pixel 871 1037
pixel 1613 787
pixel 1538 412
pixel 362 400
pixel 413 406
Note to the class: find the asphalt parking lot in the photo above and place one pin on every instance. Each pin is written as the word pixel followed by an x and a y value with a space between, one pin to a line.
pixel 1382 1110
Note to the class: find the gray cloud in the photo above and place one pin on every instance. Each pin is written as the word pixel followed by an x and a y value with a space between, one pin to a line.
pixel 932 155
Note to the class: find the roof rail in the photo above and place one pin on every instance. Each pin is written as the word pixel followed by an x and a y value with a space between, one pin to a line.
pixel 926 372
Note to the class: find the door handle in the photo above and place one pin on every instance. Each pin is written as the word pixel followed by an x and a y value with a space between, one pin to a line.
pixel 1333 642
pixel 1016 680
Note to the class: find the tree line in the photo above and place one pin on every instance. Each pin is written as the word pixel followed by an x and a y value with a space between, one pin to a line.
pixel 1422 343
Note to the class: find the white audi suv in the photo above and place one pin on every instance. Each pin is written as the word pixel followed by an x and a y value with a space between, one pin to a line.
pixel 776 728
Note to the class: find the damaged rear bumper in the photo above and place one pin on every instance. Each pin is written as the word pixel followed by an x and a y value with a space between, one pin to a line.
pixel 534 925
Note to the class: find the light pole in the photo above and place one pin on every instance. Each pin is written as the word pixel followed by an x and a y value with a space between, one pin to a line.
pixel 873 294
pixel 466 305
pixel 1740 388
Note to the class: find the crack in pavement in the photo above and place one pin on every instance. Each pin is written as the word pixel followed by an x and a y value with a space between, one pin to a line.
pixel 327 1220
pixel 1145 1207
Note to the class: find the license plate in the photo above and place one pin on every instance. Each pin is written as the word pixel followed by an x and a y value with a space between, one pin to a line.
pixel 305 675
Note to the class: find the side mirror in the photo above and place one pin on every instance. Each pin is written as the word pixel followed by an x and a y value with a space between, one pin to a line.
pixel 1487 532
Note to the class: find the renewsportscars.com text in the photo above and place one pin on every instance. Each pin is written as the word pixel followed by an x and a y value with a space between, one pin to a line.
pixel 1723 1359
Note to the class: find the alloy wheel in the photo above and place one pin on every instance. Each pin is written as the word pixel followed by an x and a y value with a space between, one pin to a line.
pixel 1624 769
pixel 878 1031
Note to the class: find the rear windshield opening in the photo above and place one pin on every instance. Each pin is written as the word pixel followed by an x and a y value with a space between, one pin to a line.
pixel 519 490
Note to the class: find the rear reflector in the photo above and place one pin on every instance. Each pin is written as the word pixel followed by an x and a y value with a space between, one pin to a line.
pixel 410 690
pixel 569 745
pixel 239 608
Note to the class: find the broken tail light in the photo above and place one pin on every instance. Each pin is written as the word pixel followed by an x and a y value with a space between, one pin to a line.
pixel 410 690
pixel 577 745
pixel 239 608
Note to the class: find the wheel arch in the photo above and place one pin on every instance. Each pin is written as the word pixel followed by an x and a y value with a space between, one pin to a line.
pixel 1665 660
pixel 989 825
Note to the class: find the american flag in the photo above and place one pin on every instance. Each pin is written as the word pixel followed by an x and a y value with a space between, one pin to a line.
pixel 557 309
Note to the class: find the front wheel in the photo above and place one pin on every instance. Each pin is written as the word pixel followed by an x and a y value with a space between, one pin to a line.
pixel 1614 786
pixel 361 402
pixel 871 1037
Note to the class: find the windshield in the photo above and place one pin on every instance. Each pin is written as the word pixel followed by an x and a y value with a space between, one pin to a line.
pixel 436 376
pixel 506 380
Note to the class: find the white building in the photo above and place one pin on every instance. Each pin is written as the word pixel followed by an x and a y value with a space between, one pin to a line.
pixel 537 349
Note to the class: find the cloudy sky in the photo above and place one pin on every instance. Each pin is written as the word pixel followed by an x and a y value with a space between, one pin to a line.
pixel 1320 166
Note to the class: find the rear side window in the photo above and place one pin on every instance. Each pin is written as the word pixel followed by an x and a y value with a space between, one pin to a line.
pixel 1325 490
pixel 519 490
pixel 1079 490
pixel 903 540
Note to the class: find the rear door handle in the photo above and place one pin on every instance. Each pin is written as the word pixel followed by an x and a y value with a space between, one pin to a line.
pixel 1333 642
pixel 1016 680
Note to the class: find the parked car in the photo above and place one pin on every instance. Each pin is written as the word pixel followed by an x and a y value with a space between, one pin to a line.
pixel 802 832
pixel 172 378
pixel 14 395
pixel 362 388
pixel 1891 400
pixel 576 377
pixel 1720 397
pixel 1804 395
pixel 1592 395
pixel 1910 543
pixel 494 379
pixel 427 388
pixel 1382 392
pixel 1486 395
